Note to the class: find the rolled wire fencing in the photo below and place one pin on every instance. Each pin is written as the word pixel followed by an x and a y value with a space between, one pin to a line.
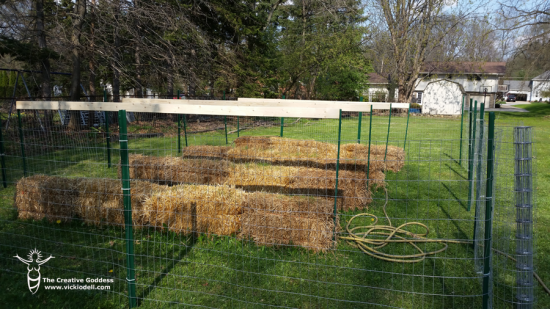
pixel 233 211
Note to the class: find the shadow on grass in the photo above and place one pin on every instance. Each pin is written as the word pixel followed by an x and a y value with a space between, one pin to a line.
pixel 457 172
pixel 183 252
pixel 452 158
pixel 455 197
pixel 462 235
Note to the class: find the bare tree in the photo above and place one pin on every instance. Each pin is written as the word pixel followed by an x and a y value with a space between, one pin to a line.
pixel 77 22
pixel 409 30
pixel 529 23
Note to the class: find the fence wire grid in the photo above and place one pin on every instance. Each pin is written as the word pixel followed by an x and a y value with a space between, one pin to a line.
pixel 258 212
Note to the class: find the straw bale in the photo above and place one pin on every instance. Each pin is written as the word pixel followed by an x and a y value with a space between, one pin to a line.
pixel 41 196
pixel 308 153
pixel 196 208
pixel 271 229
pixel 352 186
pixel 102 201
pixel 211 152
pixel 303 206
pixel 94 200
pixel 172 170
pixel 395 157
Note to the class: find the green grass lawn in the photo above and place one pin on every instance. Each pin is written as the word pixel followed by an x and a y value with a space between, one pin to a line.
pixel 180 271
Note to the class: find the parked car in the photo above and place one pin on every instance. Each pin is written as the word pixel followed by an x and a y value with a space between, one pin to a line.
pixel 511 98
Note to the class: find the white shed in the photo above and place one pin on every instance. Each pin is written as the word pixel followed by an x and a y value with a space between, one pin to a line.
pixel 442 97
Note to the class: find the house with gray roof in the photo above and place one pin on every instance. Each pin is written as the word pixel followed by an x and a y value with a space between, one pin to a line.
pixel 540 84
pixel 520 88
pixel 378 88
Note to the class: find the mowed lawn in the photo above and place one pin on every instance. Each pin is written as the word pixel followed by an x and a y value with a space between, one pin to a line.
pixel 175 270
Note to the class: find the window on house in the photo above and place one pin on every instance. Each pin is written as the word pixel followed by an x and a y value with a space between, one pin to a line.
pixel 419 98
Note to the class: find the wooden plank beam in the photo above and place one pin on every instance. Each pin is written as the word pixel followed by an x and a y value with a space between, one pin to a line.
pixel 157 107
pixel 310 103
pixel 346 106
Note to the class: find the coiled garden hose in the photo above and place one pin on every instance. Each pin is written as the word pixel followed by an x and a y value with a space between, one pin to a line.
pixel 371 245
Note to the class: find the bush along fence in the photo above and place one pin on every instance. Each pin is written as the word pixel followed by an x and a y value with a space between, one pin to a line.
pixel 270 203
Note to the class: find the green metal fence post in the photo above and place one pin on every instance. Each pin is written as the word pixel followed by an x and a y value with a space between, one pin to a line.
pixel 282 122
pixel 359 128
pixel 407 128
pixel 179 128
pixel 359 124
pixel 368 156
pixel 388 136
pixel 2 159
pixel 471 158
pixel 479 158
pixel 238 127
pixel 128 224
pixel 225 126
pixel 107 133
pixel 470 113
pixel 337 170
pixel 185 128
pixel 461 128
pixel 22 141
pixel 179 133
pixel 488 214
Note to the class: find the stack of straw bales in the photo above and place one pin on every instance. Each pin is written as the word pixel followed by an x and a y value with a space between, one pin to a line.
pixel 352 185
pixel 268 218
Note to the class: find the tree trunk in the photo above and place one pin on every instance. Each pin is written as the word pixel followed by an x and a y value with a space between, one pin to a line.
pixel 170 81
pixel 138 92
pixel 46 91
pixel 45 67
pixel 138 88
pixel 91 64
pixel 78 20
pixel 116 56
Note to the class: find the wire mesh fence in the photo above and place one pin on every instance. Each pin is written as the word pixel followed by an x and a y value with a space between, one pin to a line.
pixel 380 209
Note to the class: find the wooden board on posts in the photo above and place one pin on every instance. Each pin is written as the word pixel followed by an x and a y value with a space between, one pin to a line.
pixel 158 106
pixel 345 106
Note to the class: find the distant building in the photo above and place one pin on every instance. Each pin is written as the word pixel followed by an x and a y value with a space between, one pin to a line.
pixel 540 84
pixel 529 90
pixel 477 80
pixel 378 90
pixel 520 88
